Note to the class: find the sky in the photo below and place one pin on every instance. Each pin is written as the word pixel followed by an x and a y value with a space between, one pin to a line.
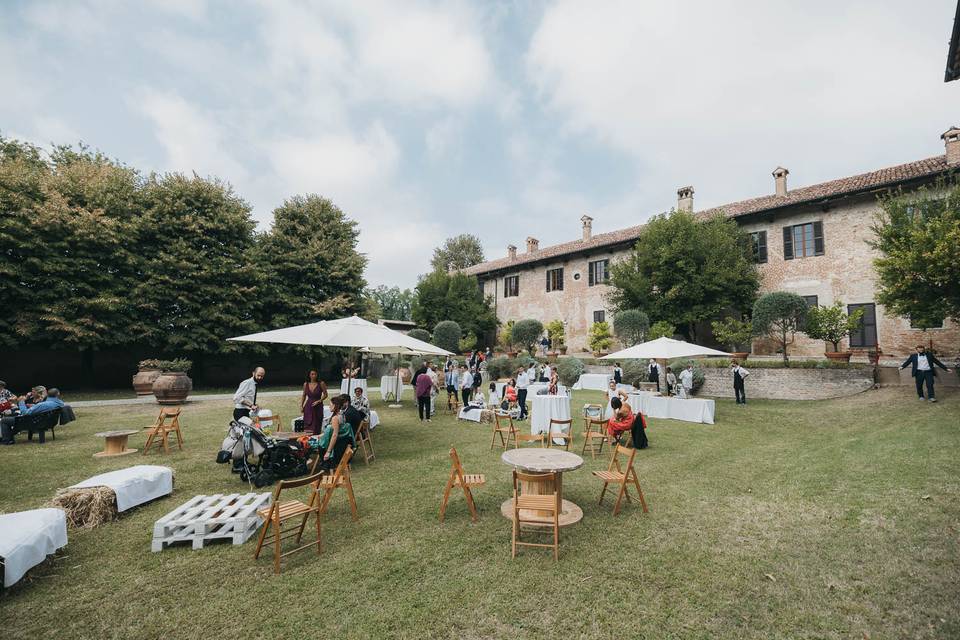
pixel 505 119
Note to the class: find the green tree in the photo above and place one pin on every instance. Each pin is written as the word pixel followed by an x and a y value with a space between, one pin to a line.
pixel 779 315
pixel 309 263
pixel 918 237
pixel 682 270
pixel 525 333
pixel 458 297
pixel 394 303
pixel 600 337
pixel 199 284
pixel 831 324
pixel 420 334
pixel 631 326
pixel 456 253
pixel 446 335
pixel 556 333
pixel 661 329
pixel 732 332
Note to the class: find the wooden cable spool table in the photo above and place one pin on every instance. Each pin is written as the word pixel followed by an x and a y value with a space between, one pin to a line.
pixel 116 443
pixel 544 461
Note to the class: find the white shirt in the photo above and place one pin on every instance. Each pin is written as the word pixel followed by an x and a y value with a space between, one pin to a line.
pixel 466 380
pixel 523 380
pixel 739 369
pixel 532 374
pixel 923 363
pixel 686 378
pixel 246 391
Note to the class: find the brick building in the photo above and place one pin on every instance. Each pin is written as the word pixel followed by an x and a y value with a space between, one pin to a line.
pixel 811 241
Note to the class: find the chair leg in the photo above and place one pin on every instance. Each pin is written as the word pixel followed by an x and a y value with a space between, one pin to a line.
pixel 602 492
pixel 446 496
pixel 303 525
pixel 276 546
pixel 556 536
pixel 473 508
pixel 326 500
pixel 319 535
pixel 643 503
pixel 353 502
pixel 623 488
pixel 263 536
pixel 179 439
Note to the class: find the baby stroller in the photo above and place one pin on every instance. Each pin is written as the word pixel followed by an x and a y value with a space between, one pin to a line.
pixel 259 459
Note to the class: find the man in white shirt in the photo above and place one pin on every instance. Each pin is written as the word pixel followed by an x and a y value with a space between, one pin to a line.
pixel 245 399
pixel 923 371
pixel 466 385
pixel 532 374
pixel 739 375
pixel 523 381
pixel 686 381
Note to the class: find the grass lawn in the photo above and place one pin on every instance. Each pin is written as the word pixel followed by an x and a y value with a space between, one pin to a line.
pixel 836 519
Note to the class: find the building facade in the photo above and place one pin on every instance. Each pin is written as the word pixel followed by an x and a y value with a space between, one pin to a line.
pixel 812 241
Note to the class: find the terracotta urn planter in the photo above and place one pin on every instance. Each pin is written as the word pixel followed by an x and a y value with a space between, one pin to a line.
pixel 838 356
pixel 172 387
pixel 739 356
pixel 143 381
pixel 405 375
pixel 512 354
pixel 563 350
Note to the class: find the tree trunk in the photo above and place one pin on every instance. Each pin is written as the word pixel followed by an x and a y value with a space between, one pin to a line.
pixel 786 361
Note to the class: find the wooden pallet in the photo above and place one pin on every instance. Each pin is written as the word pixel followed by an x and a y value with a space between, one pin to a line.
pixel 205 518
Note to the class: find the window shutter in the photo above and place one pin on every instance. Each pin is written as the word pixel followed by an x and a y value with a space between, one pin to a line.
pixel 762 246
pixel 590 279
pixel 818 238
pixel 548 279
pixel 559 279
pixel 788 243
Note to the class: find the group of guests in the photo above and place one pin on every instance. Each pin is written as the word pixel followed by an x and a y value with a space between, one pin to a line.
pixel 37 400
pixel 461 382
pixel 516 389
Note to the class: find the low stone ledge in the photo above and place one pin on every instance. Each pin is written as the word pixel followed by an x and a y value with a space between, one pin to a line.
pixel 790 384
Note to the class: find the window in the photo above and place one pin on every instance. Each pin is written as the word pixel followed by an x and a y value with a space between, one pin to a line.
pixel 803 240
pixel 866 334
pixel 758 240
pixel 555 279
pixel 599 316
pixel 599 272
pixel 811 301
pixel 511 286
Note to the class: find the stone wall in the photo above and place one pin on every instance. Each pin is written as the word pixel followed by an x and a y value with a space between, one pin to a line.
pixel 790 384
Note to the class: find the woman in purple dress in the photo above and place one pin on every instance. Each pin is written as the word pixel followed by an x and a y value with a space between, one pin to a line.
pixel 311 402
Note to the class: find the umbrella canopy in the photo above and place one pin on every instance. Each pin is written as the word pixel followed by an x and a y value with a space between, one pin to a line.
pixel 346 332
pixel 663 349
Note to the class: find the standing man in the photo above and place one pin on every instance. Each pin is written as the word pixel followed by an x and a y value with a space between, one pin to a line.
pixel 922 369
pixel 245 399
pixel 653 373
pixel 523 381
pixel 686 381
pixel 453 386
pixel 466 385
pixel 424 388
pixel 739 375
pixel 617 374
pixel 418 373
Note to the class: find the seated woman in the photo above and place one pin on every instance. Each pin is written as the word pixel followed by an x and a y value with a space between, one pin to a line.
pixel 510 393
pixel 337 434
pixel 360 402
pixel 622 419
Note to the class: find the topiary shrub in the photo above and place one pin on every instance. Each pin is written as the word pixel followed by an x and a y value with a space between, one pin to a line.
pixel 600 338
pixel 569 370
pixel 468 342
pixel 446 335
pixel 420 334
pixel 631 326
pixel 779 315
pixel 525 333
pixel 661 329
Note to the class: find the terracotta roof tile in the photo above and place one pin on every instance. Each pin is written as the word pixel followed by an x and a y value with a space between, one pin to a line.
pixel 888 177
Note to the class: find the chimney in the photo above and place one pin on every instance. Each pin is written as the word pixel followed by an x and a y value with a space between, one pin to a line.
pixel 532 244
pixel 587 227
pixel 511 252
pixel 951 139
pixel 685 199
pixel 780 180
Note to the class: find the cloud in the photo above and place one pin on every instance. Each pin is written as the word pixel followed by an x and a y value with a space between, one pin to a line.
pixel 443 139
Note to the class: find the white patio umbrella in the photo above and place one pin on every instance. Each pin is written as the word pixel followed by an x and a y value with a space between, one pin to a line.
pixel 352 332
pixel 663 349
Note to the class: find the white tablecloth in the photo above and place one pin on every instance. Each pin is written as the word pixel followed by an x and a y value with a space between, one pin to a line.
pixel 471 412
pixel 598 381
pixel 374 419
pixel 534 389
pixel 388 384
pixel 133 485
pixel 689 410
pixel 543 408
pixel 27 537
pixel 356 382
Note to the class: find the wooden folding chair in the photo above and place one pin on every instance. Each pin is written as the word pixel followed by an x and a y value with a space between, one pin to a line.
pixel 465 481
pixel 615 474
pixel 567 435
pixel 499 429
pixel 274 420
pixel 545 503
pixel 530 437
pixel 453 404
pixel 280 512
pixel 339 479
pixel 363 439
pixel 594 432
pixel 167 422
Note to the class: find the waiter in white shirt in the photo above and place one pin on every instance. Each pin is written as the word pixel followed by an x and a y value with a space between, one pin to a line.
pixel 245 399
pixel 739 375
pixel 686 381
pixel 523 381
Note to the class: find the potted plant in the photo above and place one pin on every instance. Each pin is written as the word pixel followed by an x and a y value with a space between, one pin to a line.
pixel 733 333
pixel 526 333
pixel 832 324
pixel 600 338
pixel 147 372
pixel 173 385
pixel 556 334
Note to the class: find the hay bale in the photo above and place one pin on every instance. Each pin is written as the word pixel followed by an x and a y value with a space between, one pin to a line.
pixel 88 507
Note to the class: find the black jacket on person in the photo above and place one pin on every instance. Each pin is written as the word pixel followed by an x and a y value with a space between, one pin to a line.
pixel 420 372
pixel 912 361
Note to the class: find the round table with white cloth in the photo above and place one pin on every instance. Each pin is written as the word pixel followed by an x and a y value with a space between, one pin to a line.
pixel 596 381
pixel 654 405
pixel 388 388
pixel 356 382
pixel 545 408
pixel 538 460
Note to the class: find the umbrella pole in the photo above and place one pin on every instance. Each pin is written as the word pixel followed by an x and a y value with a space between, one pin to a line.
pixel 350 372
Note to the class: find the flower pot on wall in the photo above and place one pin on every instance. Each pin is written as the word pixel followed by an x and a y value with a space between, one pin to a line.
pixel 838 356
pixel 739 355
pixel 563 350
pixel 172 387
pixel 143 381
